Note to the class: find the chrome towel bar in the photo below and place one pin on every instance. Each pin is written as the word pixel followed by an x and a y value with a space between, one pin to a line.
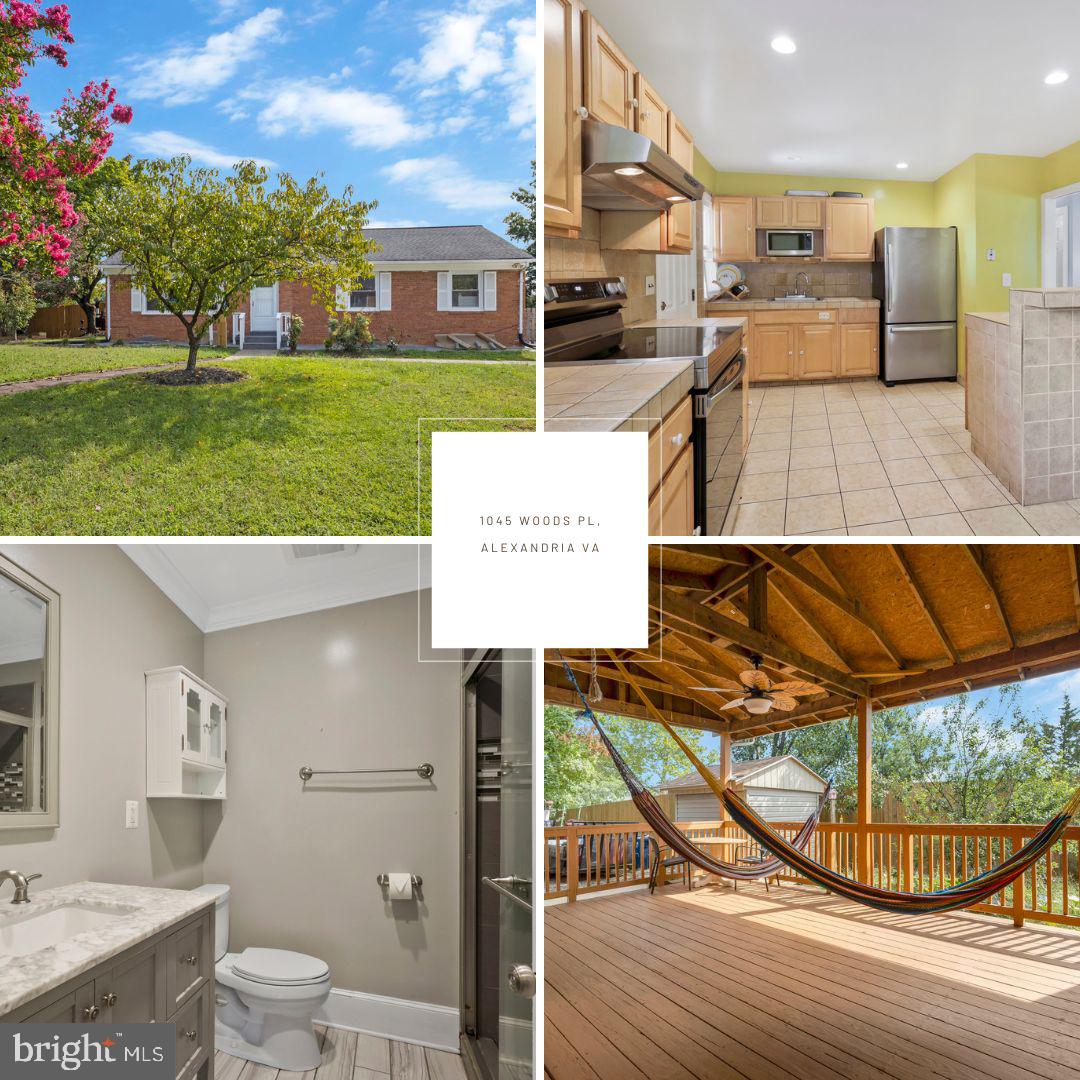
pixel 424 771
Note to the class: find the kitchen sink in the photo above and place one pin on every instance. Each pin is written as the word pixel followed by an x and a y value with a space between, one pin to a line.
pixel 36 930
pixel 778 299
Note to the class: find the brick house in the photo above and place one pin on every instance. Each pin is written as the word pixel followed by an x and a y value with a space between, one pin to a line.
pixel 427 282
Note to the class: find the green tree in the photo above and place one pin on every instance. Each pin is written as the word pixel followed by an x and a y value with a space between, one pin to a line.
pixel 521 228
pixel 18 302
pixel 198 243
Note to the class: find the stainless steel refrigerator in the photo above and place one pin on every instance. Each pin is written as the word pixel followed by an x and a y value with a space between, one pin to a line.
pixel 915 280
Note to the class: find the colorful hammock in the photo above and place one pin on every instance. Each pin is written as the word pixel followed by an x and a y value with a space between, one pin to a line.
pixel 672 836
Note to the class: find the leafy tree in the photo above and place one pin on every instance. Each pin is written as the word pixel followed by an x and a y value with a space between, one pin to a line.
pixel 38 162
pixel 198 243
pixel 18 302
pixel 578 771
pixel 521 228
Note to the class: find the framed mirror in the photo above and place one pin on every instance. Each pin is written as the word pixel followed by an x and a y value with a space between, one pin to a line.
pixel 29 701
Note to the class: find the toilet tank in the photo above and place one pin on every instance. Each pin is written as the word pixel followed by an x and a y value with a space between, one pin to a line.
pixel 221 917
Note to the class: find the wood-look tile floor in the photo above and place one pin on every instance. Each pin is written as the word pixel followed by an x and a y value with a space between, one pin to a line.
pixel 863 458
pixel 348 1055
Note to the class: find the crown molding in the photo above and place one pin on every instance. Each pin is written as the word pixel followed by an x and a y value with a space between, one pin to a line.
pixel 373 584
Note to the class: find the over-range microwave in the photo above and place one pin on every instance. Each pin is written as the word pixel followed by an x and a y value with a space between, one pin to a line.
pixel 788 242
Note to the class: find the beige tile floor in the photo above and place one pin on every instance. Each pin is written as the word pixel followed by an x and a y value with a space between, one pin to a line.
pixel 348 1055
pixel 861 458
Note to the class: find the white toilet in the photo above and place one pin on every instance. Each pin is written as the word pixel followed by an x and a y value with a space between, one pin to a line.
pixel 266 998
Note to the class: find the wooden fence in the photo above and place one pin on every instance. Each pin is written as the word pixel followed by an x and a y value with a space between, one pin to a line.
pixel 583 859
pixel 58 322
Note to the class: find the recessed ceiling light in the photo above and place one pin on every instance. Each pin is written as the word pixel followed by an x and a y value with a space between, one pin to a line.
pixel 676 198
pixel 629 170
pixel 1056 77
pixel 783 44
pixel 901 165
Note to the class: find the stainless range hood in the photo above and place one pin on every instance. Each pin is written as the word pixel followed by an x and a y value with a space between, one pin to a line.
pixel 624 170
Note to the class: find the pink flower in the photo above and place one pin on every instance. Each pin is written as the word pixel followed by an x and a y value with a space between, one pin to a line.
pixel 122 114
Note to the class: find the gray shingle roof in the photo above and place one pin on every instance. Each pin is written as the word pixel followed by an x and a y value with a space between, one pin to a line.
pixel 442 243
pixel 738 768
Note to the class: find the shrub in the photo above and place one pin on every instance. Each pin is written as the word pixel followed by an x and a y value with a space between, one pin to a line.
pixel 349 334
pixel 296 328
pixel 392 346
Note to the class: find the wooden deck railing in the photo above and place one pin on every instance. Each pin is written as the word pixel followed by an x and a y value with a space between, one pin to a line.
pixel 583 859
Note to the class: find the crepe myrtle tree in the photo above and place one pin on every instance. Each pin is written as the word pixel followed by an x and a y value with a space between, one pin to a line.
pixel 198 242
pixel 39 161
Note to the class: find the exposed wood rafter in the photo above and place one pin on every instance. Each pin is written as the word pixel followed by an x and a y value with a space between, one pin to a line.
pixel 924 603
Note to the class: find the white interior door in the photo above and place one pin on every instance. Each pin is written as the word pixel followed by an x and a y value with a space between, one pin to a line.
pixel 264 308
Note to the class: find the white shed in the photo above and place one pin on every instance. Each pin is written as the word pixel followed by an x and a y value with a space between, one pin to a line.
pixel 778 788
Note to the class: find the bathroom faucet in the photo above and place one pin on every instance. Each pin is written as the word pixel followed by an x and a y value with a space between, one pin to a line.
pixel 806 276
pixel 22 884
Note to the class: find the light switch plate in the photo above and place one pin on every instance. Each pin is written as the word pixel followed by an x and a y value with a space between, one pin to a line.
pixel 991 254
pixel 131 814
pixel 650 285
pixel 1006 280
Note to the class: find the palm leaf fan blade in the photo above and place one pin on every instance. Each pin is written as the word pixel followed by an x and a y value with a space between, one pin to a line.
pixel 756 680
pixel 734 703
pixel 783 702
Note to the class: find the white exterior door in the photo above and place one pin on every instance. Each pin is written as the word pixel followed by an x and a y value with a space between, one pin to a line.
pixel 264 308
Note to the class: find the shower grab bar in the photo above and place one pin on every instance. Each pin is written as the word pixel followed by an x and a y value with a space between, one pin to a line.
pixel 424 771
pixel 499 885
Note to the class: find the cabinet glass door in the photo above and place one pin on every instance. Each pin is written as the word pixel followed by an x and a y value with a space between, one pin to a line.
pixel 215 750
pixel 193 744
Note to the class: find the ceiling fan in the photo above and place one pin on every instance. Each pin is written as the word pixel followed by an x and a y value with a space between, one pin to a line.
pixel 761 694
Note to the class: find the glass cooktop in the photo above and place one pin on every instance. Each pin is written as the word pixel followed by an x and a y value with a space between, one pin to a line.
pixel 660 343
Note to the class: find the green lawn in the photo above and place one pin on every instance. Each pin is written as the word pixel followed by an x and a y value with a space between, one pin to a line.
pixel 32 361
pixel 302 447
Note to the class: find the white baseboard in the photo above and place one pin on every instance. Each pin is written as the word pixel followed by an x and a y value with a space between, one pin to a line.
pixel 417 1022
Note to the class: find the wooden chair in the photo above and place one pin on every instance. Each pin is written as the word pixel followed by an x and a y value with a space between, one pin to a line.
pixel 669 863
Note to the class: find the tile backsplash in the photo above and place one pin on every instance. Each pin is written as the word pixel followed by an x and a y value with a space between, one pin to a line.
pixel 770 279
pixel 565 259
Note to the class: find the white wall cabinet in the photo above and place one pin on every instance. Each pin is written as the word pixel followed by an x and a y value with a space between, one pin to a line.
pixel 186 722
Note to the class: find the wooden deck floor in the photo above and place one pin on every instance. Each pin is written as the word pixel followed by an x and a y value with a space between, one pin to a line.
pixel 350 1056
pixel 797 983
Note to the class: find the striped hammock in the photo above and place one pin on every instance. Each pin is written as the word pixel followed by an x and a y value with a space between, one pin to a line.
pixel 670 834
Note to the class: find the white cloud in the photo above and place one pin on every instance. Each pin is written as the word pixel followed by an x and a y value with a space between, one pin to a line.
pixel 470 52
pixel 189 73
pixel 168 144
pixel 365 119
pixel 444 181
pixel 400 223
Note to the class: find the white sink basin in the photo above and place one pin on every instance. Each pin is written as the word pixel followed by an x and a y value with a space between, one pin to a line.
pixel 38 930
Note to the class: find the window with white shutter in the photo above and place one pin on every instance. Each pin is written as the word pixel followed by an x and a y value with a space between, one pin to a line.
pixel 490 298
pixel 138 300
pixel 465 292
pixel 442 299
pixel 384 290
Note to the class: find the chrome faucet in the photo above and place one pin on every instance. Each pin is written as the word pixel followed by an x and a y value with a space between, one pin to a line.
pixel 806 277
pixel 22 884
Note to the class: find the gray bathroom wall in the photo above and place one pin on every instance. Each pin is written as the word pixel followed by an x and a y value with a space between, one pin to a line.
pixel 114 625
pixel 341 689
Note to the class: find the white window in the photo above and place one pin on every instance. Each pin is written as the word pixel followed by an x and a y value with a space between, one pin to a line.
pixel 464 291
pixel 363 297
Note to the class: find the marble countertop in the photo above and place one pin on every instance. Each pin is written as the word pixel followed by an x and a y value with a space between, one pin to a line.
pixel 620 395
pixel 143 912
pixel 782 305
pixel 990 316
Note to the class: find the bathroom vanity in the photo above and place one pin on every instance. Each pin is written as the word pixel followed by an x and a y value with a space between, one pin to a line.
pixel 97 953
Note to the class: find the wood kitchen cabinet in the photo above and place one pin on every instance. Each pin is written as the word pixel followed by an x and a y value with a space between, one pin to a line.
pixel 608 76
pixel 818 347
pixel 679 231
pixel 849 229
pixel 562 121
pixel 859 349
pixel 789 212
pixel 652 113
pixel 773 357
pixel 671 473
pixel 734 217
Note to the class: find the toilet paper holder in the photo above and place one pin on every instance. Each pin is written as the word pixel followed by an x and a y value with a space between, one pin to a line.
pixel 417 880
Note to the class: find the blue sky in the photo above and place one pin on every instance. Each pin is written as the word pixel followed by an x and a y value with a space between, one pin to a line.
pixel 428 109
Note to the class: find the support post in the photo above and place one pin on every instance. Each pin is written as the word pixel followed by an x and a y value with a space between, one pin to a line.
pixel 864 853
pixel 1018 897
pixel 725 767
pixel 573 859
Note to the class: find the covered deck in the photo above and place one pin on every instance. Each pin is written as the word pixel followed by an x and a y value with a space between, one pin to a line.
pixel 798 983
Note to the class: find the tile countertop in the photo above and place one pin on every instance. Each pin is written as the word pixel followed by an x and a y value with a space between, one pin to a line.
pixel 715 306
pixel 143 912
pixel 990 316
pixel 620 395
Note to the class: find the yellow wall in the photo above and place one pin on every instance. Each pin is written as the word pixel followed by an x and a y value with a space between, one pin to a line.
pixel 954 204
pixel 1061 168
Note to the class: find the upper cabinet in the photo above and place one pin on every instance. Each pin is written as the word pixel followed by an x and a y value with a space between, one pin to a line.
pixel 562 118
pixel 734 217
pixel 609 76
pixel 849 229
pixel 680 218
pixel 790 212
pixel 652 113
